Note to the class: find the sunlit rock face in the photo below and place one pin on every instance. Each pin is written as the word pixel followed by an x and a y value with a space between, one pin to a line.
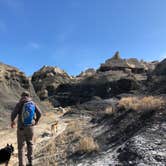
pixel 157 79
pixel 161 68
pixel 47 79
pixel 12 83
pixel 117 63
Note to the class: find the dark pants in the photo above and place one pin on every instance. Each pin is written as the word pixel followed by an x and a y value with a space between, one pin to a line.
pixel 25 135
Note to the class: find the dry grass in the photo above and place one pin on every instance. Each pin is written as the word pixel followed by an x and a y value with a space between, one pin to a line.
pixel 74 126
pixel 48 104
pixel 109 110
pixel 87 144
pixel 142 103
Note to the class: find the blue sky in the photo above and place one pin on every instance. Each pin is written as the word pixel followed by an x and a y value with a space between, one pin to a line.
pixel 77 34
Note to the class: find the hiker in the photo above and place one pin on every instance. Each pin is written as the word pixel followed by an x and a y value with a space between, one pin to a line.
pixel 28 116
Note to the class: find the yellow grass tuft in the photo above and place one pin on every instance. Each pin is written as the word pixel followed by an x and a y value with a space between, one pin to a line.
pixel 74 126
pixel 142 103
pixel 87 144
pixel 109 110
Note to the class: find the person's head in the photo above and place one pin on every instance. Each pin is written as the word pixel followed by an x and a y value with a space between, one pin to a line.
pixel 25 94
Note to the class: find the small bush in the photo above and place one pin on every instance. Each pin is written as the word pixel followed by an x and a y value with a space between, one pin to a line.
pixel 87 144
pixel 144 103
pixel 74 126
pixel 109 110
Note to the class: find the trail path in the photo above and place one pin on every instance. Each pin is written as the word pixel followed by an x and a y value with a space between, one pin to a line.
pixel 8 135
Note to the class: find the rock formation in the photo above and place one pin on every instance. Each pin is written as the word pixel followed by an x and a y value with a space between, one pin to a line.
pixel 87 73
pixel 161 68
pixel 115 134
pixel 157 79
pixel 114 77
pixel 12 83
pixel 47 79
pixel 116 63
pixel 124 137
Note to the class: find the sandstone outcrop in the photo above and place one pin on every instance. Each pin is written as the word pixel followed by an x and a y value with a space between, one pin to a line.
pixel 157 79
pixel 116 63
pixel 160 69
pixel 12 83
pixel 114 77
pixel 47 79
pixel 124 135
pixel 87 73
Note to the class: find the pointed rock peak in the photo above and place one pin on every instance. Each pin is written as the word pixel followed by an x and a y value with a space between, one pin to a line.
pixel 116 56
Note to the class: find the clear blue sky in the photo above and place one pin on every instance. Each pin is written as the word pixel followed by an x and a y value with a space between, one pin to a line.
pixel 78 34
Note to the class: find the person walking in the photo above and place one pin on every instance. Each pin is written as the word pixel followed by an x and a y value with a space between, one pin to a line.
pixel 28 114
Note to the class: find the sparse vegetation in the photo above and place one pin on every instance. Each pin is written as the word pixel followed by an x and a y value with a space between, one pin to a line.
pixel 87 144
pixel 109 110
pixel 48 104
pixel 142 103
pixel 74 126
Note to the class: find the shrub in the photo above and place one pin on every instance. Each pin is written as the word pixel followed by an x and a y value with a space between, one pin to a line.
pixel 109 110
pixel 87 144
pixel 142 103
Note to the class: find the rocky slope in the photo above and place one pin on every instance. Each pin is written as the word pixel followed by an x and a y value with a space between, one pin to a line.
pixel 94 128
pixel 132 65
pixel 47 79
pixel 12 83
pixel 123 137
pixel 114 77
pixel 157 79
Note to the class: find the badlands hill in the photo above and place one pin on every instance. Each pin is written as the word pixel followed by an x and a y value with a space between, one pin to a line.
pixel 114 77
pixel 115 115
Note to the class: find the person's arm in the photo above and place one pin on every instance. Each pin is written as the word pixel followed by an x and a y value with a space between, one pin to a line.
pixel 38 114
pixel 14 115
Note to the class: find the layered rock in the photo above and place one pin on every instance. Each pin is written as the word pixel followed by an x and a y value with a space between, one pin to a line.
pixel 71 94
pixel 160 69
pixel 124 137
pixel 12 83
pixel 157 79
pixel 47 79
pixel 55 85
pixel 116 63
pixel 103 85
pixel 87 73
pixel 114 77
pixel 12 76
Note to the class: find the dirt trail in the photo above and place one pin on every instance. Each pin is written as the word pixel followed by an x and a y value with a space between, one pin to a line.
pixel 8 135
